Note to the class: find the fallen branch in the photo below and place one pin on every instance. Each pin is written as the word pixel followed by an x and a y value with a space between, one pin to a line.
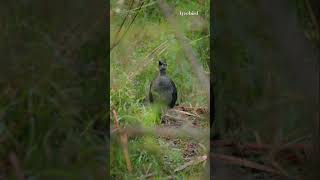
pixel 186 113
pixel 190 163
pixel 288 152
pixel 124 141
pixel 185 132
pixel 243 162
pixel 258 147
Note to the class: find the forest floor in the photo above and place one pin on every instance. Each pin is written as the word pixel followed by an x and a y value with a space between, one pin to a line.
pixel 194 152
pixel 175 153
pixel 256 160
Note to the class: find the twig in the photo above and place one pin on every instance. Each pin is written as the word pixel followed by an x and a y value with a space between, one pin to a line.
pixel 298 140
pixel 117 42
pixel 245 163
pixel 290 151
pixel 121 25
pixel 175 118
pixel 124 142
pixel 202 146
pixel 187 113
pixel 16 166
pixel 149 56
pixel 258 147
pixel 148 168
pixel 191 42
pixel 192 162
pixel 204 109
pixel 144 6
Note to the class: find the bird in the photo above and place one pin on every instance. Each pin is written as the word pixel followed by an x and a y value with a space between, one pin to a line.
pixel 162 89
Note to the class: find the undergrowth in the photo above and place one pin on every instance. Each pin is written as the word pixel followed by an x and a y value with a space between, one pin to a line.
pixel 134 64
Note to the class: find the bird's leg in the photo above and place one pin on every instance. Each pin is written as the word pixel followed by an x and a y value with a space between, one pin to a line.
pixel 164 110
pixel 163 114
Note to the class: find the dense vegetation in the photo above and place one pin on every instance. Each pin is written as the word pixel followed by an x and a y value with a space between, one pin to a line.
pixel 134 64
pixel 266 57
pixel 53 90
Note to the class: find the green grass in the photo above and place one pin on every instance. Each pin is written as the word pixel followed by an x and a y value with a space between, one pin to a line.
pixel 132 70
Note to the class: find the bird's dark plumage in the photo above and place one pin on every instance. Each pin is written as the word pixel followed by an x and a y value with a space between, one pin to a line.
pixel 162 89
pixel 174 95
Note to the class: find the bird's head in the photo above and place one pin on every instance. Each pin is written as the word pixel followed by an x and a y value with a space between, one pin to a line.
pixel 162 66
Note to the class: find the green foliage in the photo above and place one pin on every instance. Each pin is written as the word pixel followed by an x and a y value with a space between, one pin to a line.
pixel 134 64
